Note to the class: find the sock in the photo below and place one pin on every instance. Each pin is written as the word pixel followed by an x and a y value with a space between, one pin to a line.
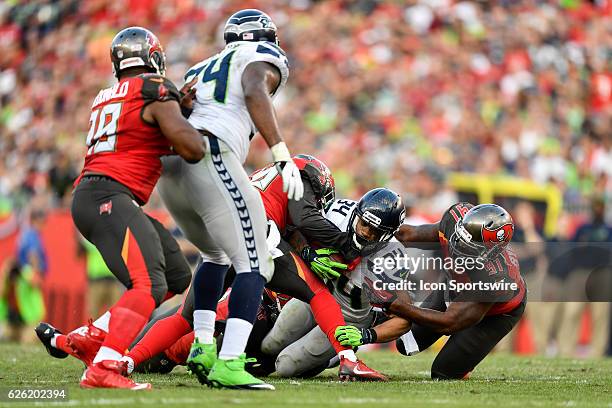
pixel 204 325
pixel 128 317
pixel 328 315
pixel 54 339
pixel 237 333
pixel 245 297
pixel 130 364
pixel 179 351
pixel 107 353
pixel 348 354
pixel 208 285
pixel 159 337
pixel 244 302
pixel 102 322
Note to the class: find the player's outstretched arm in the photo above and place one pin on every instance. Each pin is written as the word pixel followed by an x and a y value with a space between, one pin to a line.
pixel 458 316
pixel 186 141
pixel 385 332
pixel 259 81
pixel 312 224
pixel 392 329
pixel 417 236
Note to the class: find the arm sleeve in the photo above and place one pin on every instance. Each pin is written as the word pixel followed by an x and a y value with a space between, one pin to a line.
pixel 157 88
pixel 309 220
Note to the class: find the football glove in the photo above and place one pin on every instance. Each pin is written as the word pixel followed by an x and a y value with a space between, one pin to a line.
pixel 292 179
pixel 353 337
pixel 321 264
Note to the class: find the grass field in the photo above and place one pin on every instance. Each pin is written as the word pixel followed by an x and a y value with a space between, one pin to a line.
pixel 500 381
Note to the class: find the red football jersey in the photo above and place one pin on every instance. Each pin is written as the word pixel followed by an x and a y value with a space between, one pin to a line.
pixel 504 266
pixel 270 185
pixel 121 144
pixel 269 182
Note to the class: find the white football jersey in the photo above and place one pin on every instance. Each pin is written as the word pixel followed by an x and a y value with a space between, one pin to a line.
pixel 347 288
pixel 219 106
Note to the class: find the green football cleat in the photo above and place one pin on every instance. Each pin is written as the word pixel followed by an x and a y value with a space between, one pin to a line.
pixel 231 374
pixel 201 359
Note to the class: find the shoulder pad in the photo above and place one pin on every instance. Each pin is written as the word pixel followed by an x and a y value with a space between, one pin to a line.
pixel 452 216
pixel 267 52
pixel 158 88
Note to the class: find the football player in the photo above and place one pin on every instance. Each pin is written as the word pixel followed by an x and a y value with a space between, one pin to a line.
pixel 215 204
pixel 302 347
pixel 132 124
pixel 476 321
pixel 258 363
pixel 291 277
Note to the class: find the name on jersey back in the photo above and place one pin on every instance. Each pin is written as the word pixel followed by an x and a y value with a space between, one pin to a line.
pixel 119 90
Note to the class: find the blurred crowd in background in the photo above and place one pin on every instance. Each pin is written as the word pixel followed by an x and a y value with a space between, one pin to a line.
pixel 387 93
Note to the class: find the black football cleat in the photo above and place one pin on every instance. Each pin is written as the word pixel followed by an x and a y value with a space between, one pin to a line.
pixel 159 364
pixel 45 333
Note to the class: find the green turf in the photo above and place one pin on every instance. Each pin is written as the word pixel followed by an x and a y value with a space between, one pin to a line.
pixel 500 381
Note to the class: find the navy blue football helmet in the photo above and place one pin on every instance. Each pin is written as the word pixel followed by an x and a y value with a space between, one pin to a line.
pixel 250 25
pixel 382 211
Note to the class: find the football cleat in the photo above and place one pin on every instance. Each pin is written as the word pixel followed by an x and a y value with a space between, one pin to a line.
pixel 110 374
pixel 231 374
pixel 158 364
pixel 86 342
pixel 45 333
pixel 201 359
pixel 358 371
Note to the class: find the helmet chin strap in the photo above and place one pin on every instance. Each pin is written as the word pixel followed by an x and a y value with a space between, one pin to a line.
pixel 358 245
pixel 356 241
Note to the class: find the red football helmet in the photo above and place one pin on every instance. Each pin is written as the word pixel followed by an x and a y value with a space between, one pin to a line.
pixel 484 231
pixel 320 178
pixel 137 47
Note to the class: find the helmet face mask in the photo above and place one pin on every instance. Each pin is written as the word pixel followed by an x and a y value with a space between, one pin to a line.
pixel 327 198
pixel 378 215
pixel 250 25
pixel 483 232
pixel 461 246
pixel 368 232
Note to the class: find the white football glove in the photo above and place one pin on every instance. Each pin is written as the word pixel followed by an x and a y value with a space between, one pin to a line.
pixel 292 180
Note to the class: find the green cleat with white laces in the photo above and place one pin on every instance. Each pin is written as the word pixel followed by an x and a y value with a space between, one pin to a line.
pixel 231 374
pixel 202 358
